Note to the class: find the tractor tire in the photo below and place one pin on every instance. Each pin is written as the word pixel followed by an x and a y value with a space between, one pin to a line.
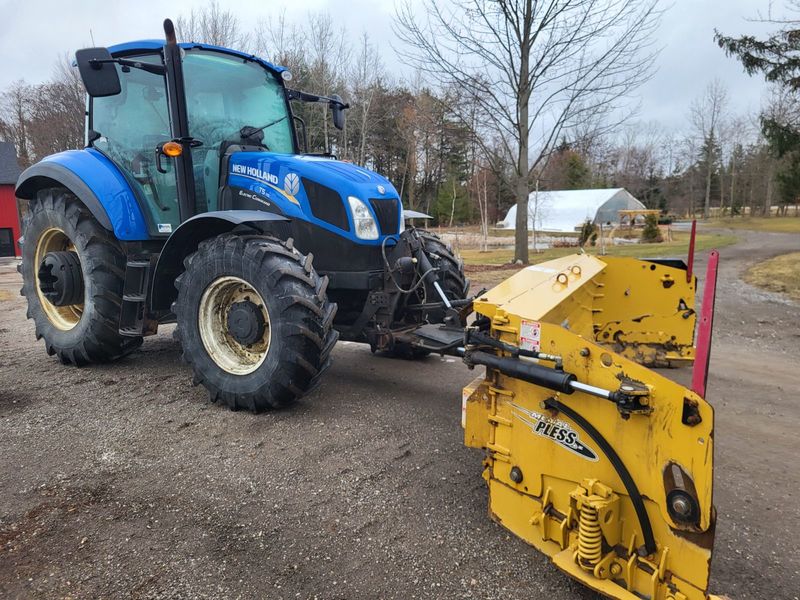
pixel 450 271
pixel 87 331
pixel 254 321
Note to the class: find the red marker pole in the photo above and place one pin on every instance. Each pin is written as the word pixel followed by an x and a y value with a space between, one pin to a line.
pixel 690 261
pixel 704 330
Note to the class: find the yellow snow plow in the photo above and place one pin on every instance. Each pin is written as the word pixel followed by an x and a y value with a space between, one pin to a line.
pixel 591 457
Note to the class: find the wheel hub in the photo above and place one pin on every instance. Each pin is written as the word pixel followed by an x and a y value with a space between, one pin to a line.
pixel 61 279
pixel 234 325
pixel 246 322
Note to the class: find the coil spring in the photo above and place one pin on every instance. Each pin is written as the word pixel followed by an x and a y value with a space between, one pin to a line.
pixel 590 538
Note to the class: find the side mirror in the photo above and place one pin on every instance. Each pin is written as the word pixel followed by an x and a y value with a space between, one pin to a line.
pixel 337 109
pixel 98 72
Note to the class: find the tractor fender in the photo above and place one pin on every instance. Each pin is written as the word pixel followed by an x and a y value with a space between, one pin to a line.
pixel 187 237
pixel 97 182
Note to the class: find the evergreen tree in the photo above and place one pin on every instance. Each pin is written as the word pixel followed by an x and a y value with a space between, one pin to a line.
pixel 777 58
pixel 709 155
pixel 651 233
pixel 577 172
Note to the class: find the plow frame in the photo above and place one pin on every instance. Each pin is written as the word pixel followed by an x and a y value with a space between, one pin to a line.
pixel 608 469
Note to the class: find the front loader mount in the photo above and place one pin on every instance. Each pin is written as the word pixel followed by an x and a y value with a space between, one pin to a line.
pixel 599 462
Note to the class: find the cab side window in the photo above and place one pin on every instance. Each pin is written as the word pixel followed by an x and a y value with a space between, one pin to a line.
pixel 131 125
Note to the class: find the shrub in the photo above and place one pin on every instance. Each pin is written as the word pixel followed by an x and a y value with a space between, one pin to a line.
pixel 651 233
pixel 587 230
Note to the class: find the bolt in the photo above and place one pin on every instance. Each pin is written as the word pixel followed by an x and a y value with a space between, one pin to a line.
pixel 681 506
pixel 515 475
pixel 584 352
pixel 616 569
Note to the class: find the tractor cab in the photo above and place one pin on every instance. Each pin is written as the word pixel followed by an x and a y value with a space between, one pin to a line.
pixel 227 97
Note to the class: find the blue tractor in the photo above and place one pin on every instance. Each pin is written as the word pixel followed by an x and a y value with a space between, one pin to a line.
pixel 193 203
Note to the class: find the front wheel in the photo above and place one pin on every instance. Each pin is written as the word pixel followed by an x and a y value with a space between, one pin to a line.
pixel 254 321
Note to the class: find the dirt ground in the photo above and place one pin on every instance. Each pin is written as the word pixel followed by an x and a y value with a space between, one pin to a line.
pixel 124 481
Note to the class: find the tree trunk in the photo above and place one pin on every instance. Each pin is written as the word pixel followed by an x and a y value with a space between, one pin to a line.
pixel 327 145
pixel 453 205
pixel 362 149
pixel 534 215
pixel 707 202
pixel 523 130
pixel 733 184
pixel 412 178
pixel 484 213
pixel 768 199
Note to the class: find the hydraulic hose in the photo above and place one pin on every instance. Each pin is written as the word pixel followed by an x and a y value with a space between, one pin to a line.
pixel 619 467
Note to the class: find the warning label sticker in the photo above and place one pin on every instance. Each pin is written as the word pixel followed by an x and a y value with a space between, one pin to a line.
pixel 530 335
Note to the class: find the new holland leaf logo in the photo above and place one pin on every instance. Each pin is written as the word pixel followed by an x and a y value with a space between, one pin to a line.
pixel 291 184
pixel 553 429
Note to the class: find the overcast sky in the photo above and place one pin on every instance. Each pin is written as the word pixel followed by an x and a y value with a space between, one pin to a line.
pixel 33 33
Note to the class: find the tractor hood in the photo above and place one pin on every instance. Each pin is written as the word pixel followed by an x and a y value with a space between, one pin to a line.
pixel 318 190
pixel 289 175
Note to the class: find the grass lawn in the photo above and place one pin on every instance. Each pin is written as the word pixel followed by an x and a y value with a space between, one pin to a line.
pixel 487 269
pixel 774 224
pixel 678 247
pixel 779 274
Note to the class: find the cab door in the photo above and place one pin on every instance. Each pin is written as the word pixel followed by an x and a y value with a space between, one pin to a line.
pixel 131 126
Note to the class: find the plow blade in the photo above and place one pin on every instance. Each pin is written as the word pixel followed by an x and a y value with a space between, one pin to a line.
pixel 599 462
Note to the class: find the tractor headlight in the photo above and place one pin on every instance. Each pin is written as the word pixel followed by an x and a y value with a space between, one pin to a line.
pixel 364 223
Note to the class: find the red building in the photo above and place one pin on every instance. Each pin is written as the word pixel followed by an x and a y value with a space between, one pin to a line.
pixel 9 215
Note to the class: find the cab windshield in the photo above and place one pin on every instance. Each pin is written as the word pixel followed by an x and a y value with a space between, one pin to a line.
pixel 225 93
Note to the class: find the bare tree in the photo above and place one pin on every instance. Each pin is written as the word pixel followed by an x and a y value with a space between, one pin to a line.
pixel 14 119
pixel 482 196
pixel 280 41
pixel 365 77
pixel 534 67
pixel 56 111
pixel 707 113
pixel 44 118
pixel 212 25
pixel 328 51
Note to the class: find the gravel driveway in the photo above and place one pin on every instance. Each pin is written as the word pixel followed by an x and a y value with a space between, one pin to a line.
pixel 124 481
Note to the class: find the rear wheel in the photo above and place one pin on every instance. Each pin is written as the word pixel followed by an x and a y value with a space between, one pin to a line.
pixel 254 321
pixel 450 271
pixel 73 275
pixel 454 283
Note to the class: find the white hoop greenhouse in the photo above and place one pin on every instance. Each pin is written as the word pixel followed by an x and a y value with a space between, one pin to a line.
pixel 566 210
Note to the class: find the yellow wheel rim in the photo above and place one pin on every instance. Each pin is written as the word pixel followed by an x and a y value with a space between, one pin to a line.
pixel 62 317
pixel 212 319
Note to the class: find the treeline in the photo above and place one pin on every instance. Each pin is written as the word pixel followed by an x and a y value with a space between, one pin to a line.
pixel 727 171
pixel 40 119
pixel 425 139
